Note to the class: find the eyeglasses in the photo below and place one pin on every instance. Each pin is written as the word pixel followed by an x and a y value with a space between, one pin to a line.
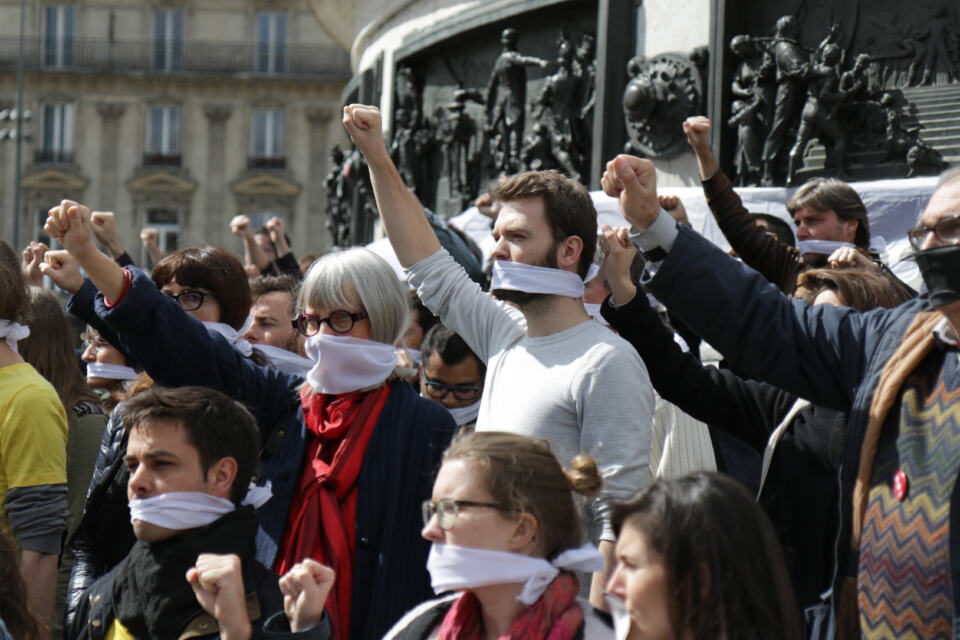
pixel 191 300
pixel 448 509
pixel 340 321
pixel 439 391
pixel 946 230
pixel 95 342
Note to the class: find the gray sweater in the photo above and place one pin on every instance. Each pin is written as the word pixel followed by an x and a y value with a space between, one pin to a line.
pixel 584 390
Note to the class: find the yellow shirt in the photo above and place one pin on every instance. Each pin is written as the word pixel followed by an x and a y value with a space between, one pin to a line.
pixel 33 432
pixel 118 632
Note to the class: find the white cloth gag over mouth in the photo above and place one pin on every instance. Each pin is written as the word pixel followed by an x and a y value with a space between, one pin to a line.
pixel 415 355
pixel 233 336
pixel 454 568
pixel 516 276
pixel 109 371
pixel 463 415
pixel 825 247
pixel 286 361
pixel 181 510
pixel 593 310
pixel 13 333
pixel 620 615
pixel 343 364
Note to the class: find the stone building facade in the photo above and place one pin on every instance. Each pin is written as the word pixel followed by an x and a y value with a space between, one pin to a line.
pixel 174 114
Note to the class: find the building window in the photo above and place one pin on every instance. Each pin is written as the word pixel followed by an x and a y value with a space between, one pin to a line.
pixel 167 223
pixel 266 139
pixel 59 41
pixel 168 39
pixel 57 144
pixel 163 137
pixel 271 42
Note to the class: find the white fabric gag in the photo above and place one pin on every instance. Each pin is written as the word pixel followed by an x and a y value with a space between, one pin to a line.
pixel 109 371
pixel 593 310
pixel 181 510
pixel 233 336
pixel 454 568
pixel 463 415
pixel 620 615
pixel 13 333
pixel 825 247
pixel 415 355
pixel 516 276
pixel 286 361
pixel 343 364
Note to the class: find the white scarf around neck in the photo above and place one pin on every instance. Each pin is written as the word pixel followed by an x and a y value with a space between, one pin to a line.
pixel 13 333
pixel 454 568
pixel 343 364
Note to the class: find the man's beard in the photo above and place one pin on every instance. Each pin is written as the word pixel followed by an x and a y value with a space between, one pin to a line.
pixel 523 299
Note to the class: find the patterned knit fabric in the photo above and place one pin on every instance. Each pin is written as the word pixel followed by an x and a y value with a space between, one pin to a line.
pixel 904 587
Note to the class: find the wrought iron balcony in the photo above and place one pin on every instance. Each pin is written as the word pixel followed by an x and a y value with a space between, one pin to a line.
pixel 52 156
pixel 266 162
pixel 161 160
pixel 149 57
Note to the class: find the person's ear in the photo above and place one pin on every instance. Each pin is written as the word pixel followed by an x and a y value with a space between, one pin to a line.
pixel 569 252
pixel 526 533
pixel 850 228
pixel 220 477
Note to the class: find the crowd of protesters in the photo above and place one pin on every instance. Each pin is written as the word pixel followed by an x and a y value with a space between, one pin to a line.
pixel 271 448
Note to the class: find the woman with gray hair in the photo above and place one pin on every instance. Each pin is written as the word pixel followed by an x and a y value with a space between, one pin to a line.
pixel 349 454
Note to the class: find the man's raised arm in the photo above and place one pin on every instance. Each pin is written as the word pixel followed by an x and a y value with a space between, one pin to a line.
pixel 402 214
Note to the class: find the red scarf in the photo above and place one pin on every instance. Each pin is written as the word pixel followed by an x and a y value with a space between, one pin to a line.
pixel 323 514
pixel 555 616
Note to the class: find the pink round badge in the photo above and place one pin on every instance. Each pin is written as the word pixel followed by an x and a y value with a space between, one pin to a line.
pixel 900 485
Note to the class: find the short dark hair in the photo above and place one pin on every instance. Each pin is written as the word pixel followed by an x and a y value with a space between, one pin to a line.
pixel 14 294
pixel 777 227
pixel 449 346
pixel 216 425
pixel 215 270
pixel 709 520
pixel 566 204
pixel 426 319
pixel 284 284
pixel 830 194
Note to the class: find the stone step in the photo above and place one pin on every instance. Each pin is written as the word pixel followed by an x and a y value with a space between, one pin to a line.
pixel 935 119
pixel 936 128
pixel 936 111
pixel 817 152
pixel 924 91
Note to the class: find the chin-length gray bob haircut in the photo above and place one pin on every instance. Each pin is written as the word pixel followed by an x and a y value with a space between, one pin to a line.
pixel 359 280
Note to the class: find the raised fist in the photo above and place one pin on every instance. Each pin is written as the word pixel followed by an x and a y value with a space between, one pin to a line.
pixel 697 129
pixel 365 127
pixel 62 268
pixel 240 225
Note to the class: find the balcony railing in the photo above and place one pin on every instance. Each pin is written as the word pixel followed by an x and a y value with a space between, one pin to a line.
pixel 266 162
pixel 52 156
pixel 161 160
pixel 203 58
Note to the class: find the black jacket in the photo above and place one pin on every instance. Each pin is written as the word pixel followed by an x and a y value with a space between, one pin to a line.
pixel 801 489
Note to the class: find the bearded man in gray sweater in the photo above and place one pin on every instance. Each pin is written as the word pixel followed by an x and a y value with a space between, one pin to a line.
pixel 553 373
